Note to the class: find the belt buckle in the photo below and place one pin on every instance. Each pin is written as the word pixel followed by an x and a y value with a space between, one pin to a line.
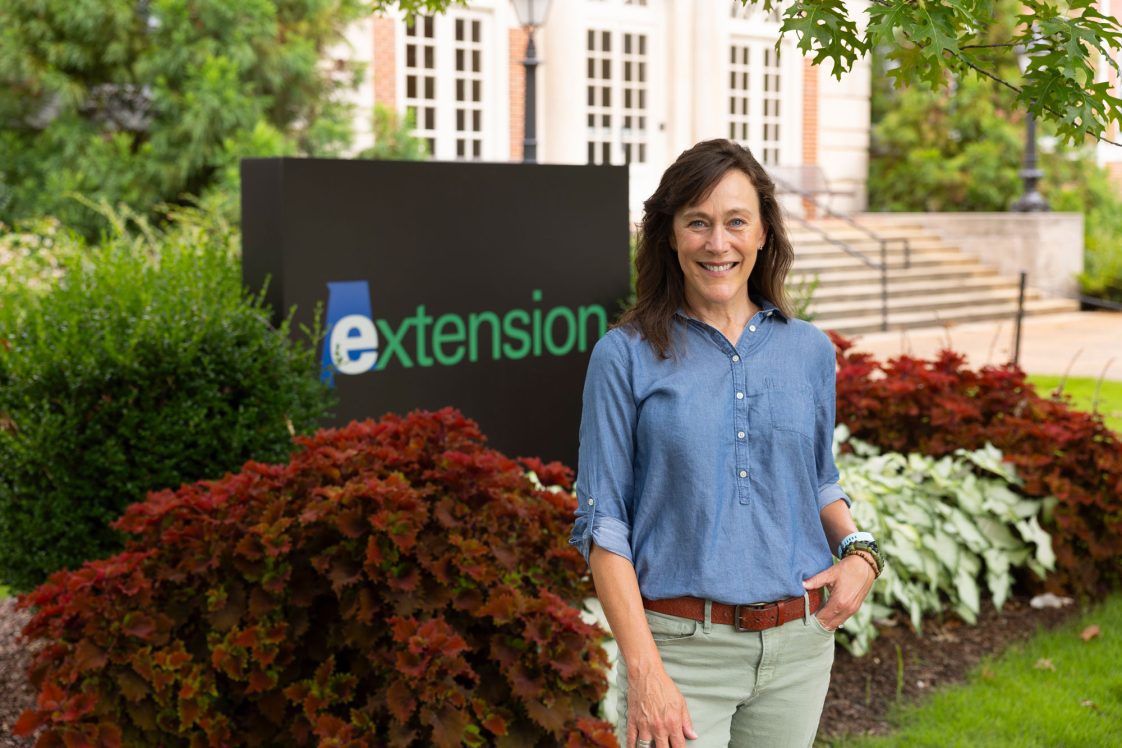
pixel 736 614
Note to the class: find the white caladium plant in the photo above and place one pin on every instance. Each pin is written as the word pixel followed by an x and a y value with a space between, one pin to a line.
pixel 946 526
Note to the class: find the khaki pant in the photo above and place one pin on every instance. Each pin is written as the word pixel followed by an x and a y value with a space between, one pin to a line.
pixel 762 688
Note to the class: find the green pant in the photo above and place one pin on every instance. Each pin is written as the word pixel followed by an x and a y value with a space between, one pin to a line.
pixel 763 688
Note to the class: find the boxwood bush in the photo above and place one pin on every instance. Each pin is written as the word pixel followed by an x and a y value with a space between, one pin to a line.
pixel 396 584
pixel 146 365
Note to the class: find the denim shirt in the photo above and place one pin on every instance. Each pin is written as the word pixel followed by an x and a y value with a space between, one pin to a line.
pixel 708 470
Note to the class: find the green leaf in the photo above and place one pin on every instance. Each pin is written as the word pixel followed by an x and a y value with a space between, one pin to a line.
pixel 824 28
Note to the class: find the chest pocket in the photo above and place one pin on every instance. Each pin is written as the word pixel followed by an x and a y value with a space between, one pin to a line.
pixel 792 409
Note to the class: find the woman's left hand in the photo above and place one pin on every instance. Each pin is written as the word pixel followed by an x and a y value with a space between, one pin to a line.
pixel 848 581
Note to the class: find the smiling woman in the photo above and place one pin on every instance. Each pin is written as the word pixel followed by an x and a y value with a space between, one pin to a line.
pixel 717 241
pixel 708 497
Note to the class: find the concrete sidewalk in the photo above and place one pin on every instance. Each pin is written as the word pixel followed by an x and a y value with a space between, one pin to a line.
pixel 1082 344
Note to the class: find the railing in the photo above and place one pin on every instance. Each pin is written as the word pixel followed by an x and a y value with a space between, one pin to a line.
pixel 787 187
pixel 1100 303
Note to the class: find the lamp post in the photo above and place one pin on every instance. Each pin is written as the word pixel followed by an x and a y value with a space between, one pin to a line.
pixel 531 15
pixel 1031 201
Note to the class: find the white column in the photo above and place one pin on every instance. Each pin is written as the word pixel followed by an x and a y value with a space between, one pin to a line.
pixel 710 72
pixel 561 85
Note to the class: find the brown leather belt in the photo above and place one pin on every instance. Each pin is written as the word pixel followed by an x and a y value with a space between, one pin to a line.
pixel 751 617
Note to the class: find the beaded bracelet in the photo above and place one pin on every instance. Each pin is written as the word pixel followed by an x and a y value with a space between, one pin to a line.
pixel 872 564
pixel 871 549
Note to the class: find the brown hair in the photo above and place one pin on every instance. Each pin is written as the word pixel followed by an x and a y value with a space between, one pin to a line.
pixel 659 283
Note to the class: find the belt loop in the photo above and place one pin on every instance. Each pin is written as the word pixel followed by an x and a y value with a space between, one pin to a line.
pixel 806 608
pixel 707 624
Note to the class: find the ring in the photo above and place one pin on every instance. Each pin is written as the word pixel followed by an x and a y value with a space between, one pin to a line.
pixel 642 744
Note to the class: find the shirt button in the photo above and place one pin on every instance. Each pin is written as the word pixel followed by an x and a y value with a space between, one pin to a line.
pixel 735 359
pixel 739 395
pixel 751 328
pixel 743 473
pixel 739 434
pixel 591 502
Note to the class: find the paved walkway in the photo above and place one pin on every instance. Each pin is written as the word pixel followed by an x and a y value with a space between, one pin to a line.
pixel 1083 344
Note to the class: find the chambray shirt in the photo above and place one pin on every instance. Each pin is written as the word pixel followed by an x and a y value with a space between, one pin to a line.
pixel 708 470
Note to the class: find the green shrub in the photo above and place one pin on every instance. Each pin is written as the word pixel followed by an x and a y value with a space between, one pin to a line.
pixel 396 584
pixel 946 525
pixel 146 367
pixel 34 256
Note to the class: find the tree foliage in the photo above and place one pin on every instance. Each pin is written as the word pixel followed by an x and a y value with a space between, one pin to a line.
pixel 144 102
pixel 961 149
pixel 394 138
pixel 929 42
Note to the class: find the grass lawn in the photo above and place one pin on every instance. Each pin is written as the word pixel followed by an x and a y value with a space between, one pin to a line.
pixel 1082 392
pixel 1054 690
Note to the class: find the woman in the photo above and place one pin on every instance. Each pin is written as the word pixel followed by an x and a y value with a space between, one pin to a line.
pixel 708 495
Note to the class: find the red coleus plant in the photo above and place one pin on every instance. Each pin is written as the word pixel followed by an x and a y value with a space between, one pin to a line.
pixel 396 584
pixel 935 407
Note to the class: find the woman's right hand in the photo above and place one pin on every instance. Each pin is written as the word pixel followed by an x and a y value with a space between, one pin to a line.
pixel 656 711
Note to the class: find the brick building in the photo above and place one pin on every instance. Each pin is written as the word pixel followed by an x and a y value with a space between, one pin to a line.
pixel 620 81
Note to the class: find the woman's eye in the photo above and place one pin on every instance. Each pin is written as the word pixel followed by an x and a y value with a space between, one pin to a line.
pixel 738 222
pixel 696 223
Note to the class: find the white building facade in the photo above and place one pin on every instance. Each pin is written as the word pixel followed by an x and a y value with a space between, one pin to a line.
pixel 631 82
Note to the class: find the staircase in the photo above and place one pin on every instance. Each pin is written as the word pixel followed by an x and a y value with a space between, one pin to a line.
pixel 942 285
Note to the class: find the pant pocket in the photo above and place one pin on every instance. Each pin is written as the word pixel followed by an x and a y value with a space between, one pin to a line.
pixel 818 627
pixel 667 629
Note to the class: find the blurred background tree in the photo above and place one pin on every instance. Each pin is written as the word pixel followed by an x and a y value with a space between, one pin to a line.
pixel 394 138
pixel 145 102
pixel 961 147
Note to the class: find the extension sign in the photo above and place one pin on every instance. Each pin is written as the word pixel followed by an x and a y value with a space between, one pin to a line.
pixel 480 286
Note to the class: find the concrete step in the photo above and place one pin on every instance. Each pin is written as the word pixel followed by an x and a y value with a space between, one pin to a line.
pixel 847 233
pixel 938 317
pixel 920 287
pixel 863 275
pixel 918 260
pixel 814 247
pixel 851 235
pixel 825 308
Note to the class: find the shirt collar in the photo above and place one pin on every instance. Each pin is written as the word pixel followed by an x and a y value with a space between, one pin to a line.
pixel 767 308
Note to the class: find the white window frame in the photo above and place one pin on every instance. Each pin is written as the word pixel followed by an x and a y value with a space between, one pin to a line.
pixel 620 17
pixel 758 32
pixel 492 106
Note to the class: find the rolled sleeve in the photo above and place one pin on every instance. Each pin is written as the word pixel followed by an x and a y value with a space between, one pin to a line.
pixel 830 493
pixel 829 490
pixel 607 532
pixel 607 447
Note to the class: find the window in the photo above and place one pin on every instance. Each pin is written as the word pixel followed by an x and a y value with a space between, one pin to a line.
pixel 617 87
pixel 446 87
pixel 420 78
pixel 469 88
pixel 746 12
pixel 755 98
pixel 771 101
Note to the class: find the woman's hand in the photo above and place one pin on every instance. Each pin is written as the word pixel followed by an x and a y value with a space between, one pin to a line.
pixel 656 711
pixel 848 581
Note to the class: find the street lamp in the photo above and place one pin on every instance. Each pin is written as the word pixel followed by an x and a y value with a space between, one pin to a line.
pixel 1031 201
pixel 531 15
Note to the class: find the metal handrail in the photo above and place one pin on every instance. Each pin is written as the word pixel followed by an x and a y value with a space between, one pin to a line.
pixel 882 266
pixel 882 241
pixel 1101 303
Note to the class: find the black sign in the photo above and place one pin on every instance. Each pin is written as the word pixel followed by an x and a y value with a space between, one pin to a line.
pixel 480 286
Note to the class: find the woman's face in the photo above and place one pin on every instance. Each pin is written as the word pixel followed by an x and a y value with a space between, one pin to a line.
pixel 717 240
